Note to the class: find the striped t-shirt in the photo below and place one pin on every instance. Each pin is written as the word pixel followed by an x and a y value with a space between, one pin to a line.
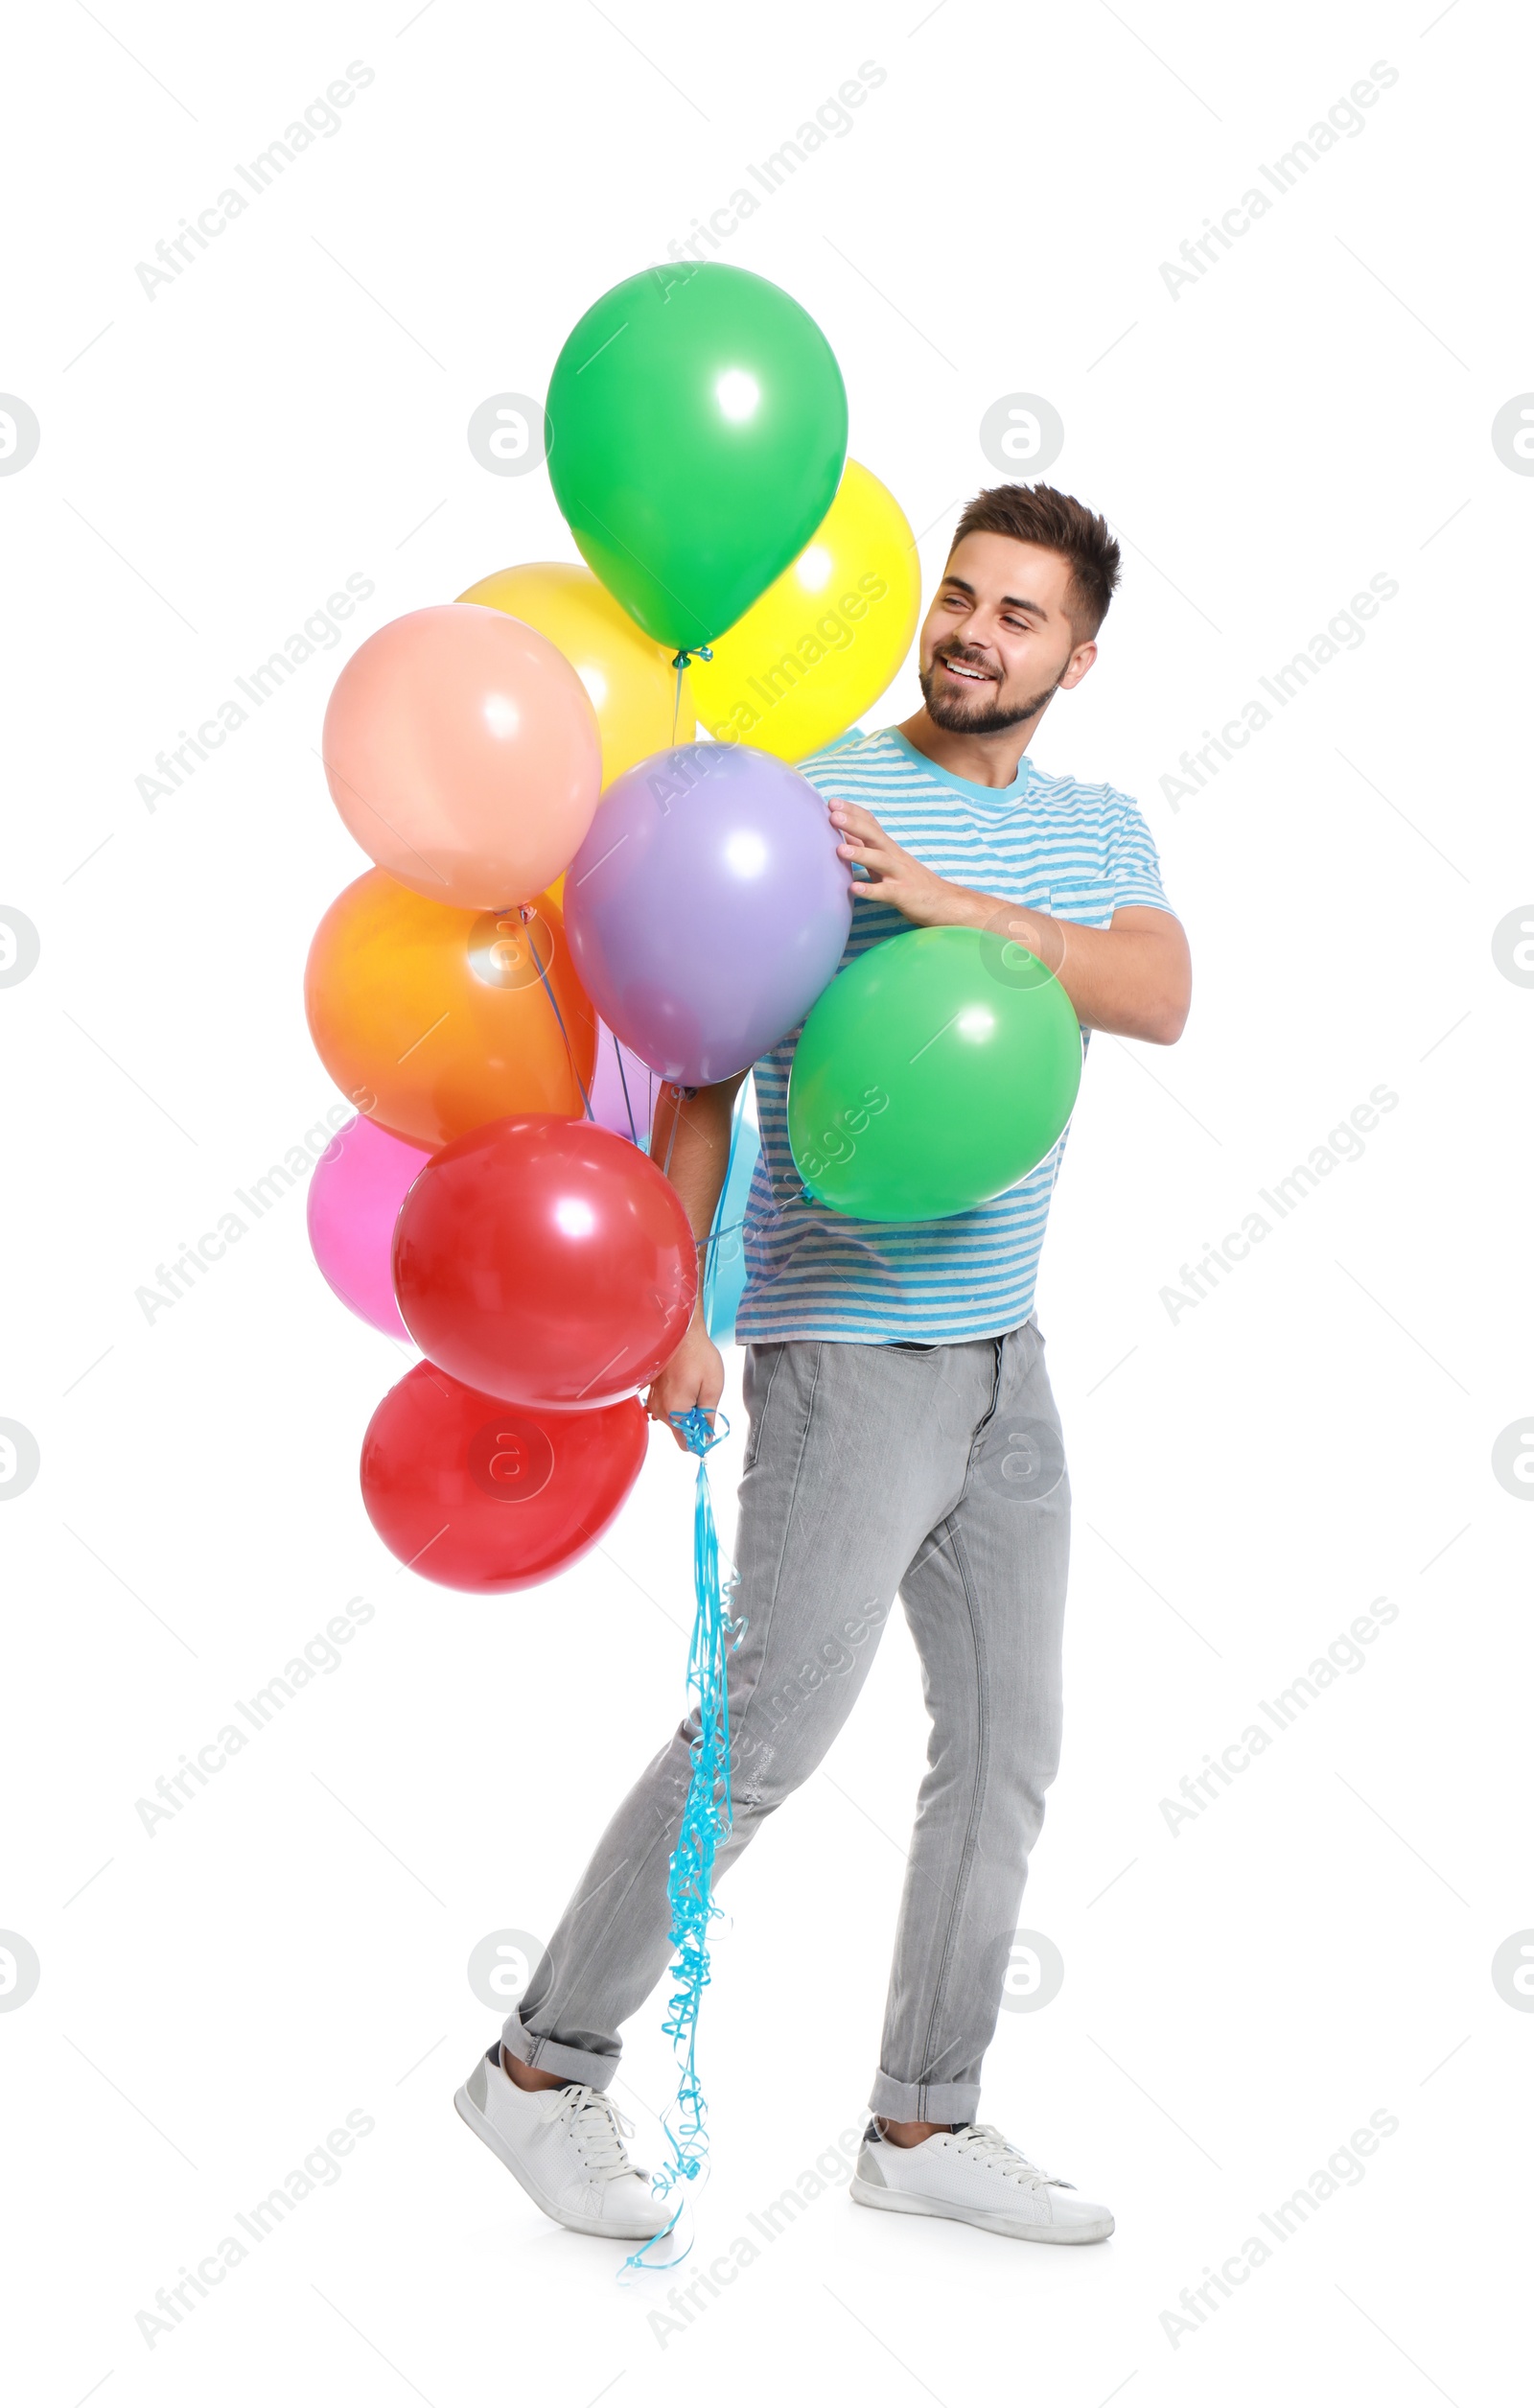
pixel 1080 853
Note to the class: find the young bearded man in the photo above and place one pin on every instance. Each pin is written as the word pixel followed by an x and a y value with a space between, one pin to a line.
pixel 904 1438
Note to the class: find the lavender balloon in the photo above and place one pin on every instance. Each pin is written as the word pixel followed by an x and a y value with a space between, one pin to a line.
pixel 707 908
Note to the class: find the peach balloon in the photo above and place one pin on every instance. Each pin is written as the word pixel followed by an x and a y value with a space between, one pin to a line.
pixel 463 754
pixel 640 705
pixel 432 1020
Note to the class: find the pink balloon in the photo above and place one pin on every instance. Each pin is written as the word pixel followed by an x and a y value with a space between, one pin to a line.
pixel 463 754
pixel 623 1088
pixel 354 1202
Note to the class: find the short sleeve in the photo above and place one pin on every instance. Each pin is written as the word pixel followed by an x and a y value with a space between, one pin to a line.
pixel 1133 867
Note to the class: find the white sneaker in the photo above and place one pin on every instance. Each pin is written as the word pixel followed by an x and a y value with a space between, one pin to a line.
pixel 565 2148
pixel 977 2177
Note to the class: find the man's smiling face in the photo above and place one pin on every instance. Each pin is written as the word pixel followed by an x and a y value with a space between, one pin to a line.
pixel 998 640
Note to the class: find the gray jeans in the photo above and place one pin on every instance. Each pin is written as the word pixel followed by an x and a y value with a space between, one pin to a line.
pixel 937 1473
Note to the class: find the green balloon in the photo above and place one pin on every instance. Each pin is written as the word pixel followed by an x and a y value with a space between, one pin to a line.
pixel 935 1074
pixel 697 433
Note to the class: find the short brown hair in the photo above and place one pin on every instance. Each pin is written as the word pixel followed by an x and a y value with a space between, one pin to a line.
pixel 1057 522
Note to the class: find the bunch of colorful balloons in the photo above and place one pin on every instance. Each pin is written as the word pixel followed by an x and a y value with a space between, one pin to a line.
pixel 572 898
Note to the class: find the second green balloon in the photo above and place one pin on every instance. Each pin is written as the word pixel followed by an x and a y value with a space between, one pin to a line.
pixel 934 1073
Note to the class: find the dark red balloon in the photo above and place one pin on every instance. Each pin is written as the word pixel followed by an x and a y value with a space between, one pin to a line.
pixel 546 1261
pixel 476 1494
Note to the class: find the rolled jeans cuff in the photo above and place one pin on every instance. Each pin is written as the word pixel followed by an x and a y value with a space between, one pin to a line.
pixel 919 2102
pixel 551 2056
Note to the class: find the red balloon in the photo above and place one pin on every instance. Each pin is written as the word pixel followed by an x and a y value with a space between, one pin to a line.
pixel 474 1494
pixel 546 1261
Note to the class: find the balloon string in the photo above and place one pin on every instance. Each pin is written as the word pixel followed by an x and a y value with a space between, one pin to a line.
pixel 707 1816
pixel 623 1083
pixel 532 948
pixel 682 1094
pixel 682 662
pixel 717 1236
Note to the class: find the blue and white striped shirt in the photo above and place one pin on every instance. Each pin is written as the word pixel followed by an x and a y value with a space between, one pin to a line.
pixel 1080 853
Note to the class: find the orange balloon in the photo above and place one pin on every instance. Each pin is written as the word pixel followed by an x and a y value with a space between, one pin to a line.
pixel 463 754
pixel 432 1020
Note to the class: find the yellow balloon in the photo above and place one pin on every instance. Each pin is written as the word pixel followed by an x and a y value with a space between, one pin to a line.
pixel 823 641
pixel 630 680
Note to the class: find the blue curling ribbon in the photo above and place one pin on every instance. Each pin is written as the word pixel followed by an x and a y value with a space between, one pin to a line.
pixel 707 1819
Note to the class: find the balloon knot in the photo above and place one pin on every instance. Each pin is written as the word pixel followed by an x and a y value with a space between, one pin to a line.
pixel 696 1426
pixel 685 660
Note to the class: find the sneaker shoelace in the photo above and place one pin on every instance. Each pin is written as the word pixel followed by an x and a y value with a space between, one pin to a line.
pixel 1001 2156
pixel 597 2128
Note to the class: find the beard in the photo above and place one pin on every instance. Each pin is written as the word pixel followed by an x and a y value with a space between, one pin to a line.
pixel 980 714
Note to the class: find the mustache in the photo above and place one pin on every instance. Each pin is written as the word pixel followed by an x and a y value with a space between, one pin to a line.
pixel 964 657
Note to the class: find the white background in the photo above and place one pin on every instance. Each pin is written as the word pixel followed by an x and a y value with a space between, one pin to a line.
pixel 1316 1944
